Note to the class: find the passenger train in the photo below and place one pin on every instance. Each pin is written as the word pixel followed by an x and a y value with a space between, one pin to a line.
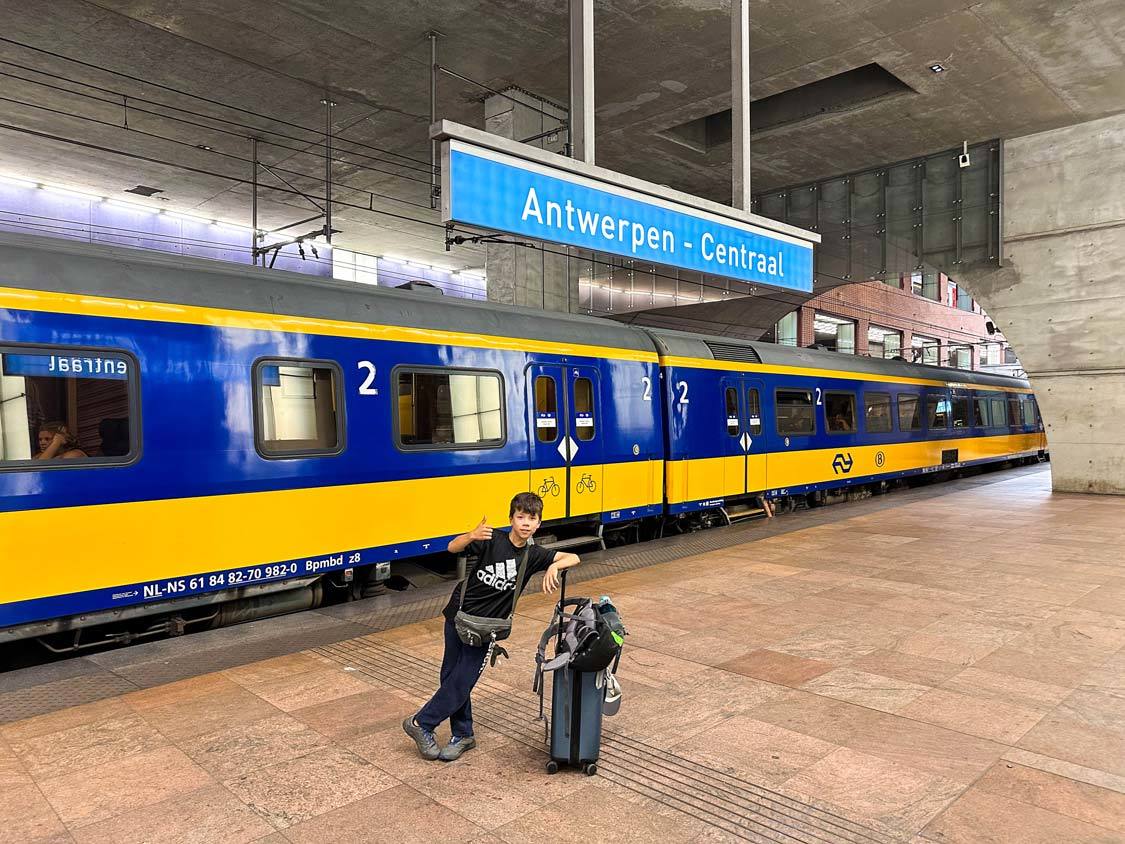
pixel 179 434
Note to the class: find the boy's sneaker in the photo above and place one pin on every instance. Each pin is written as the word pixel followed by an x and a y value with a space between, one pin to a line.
pixel 427 744
pixel 457 745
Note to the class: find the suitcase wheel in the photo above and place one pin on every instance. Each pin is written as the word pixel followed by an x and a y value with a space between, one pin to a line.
pixel 552 767
pixel 590 769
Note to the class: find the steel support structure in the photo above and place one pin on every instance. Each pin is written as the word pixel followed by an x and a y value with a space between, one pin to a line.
pixel 328 106
pixel 740 103
pixel 435 147
pixel 580 115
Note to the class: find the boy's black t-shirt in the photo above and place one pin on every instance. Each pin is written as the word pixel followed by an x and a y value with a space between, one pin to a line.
pixel 492 578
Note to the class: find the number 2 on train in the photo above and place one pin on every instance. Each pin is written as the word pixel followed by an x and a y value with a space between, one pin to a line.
pixel 365 389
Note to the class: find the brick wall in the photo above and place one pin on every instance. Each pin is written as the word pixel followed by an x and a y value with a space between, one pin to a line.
pixel 900 309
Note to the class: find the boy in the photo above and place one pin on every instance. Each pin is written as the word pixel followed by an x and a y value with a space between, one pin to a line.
pixel 490 591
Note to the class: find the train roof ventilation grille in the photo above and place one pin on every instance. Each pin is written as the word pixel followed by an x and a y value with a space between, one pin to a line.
pixel 729 351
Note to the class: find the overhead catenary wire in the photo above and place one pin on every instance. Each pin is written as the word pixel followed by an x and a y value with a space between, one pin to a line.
pixel 243 159
pixel 201 98
pixel 247 132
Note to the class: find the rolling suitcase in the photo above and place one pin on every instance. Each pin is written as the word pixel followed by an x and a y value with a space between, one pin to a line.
pixel 576 714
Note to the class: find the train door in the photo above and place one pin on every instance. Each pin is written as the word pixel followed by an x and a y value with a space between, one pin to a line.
pixel 755 441
pixel 585 440
pixel 733 438
pixel 564 415
pixel 547 431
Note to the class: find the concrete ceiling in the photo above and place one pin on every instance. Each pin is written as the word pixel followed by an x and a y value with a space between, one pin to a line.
pixel 1014 67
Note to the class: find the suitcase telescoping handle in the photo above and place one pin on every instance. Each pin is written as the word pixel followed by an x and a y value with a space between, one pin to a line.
pixel 562 598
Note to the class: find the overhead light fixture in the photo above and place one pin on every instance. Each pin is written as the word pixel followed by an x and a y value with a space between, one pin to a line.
pixel 23 183
pixel 203 147
pixel 77 194
pixel 937 68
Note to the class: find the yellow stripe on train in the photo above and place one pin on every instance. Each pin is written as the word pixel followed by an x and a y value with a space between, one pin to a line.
pixel 74 549
pixel 808 372
pixel 724 477
pixel 84 305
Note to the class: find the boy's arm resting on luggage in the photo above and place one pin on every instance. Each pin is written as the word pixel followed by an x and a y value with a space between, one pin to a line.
pixel 563 560
pixel 481 533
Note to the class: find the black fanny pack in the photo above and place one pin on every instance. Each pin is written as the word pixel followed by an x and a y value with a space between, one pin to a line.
pixel 479 630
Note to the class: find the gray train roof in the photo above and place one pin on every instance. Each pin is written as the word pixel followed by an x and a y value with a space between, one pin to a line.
pixel 685 344
pixel 52 264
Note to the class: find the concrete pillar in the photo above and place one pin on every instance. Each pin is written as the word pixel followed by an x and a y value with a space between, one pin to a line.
pixel 532 278
pixel 1060 296
pixel 517 275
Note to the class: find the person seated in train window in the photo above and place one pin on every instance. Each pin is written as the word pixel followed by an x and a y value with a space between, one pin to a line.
pixel 838 422
pixel 55 441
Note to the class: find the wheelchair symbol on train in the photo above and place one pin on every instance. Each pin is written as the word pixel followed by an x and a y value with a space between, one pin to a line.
pixel 549 487
pixel 586 483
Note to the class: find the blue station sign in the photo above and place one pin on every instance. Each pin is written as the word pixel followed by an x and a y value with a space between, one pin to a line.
pixel 492 190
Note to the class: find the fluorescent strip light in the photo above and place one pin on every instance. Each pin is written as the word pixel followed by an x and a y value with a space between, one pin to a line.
pixel 77 194
pixel 15 180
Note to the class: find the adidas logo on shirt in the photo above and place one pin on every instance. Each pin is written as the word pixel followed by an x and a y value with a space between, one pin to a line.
pixel 500 576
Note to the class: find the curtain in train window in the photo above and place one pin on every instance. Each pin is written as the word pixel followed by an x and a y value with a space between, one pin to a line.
pixel 297 409
pixel 60 405
pixel 981 408
pixel 999 412
pixel 451 409
pixel 909 413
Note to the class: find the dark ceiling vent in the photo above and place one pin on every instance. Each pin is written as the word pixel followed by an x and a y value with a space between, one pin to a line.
pixel 144 190
pixel 841 92
pixel 729 351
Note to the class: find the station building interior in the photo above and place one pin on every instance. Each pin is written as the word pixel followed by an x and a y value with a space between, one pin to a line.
pixel 264 354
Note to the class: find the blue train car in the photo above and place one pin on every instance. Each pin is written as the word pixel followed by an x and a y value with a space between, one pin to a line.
pixel 750 418
pixel 181 431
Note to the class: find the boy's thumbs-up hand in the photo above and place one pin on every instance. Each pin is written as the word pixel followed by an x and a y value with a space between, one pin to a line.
pixel 482 531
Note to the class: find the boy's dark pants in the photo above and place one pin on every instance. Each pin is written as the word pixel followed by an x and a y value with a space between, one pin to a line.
pixel 460 670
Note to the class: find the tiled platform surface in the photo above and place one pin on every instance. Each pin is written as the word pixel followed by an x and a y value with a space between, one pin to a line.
pixel 947 670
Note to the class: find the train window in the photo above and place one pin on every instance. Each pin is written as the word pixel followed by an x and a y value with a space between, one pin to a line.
pixel 937 412
pixel 877 412
pixel 1014 415
pixel 962 413
pixel 839 412
pixel 795 412
pixel 999 412
pixel 734 428
pixel 754 411
pixel 1028 405
pixel 297 405
pixel 546 409
pixel 66 408
pixel 584 408
pixel 450 408
pixel 981 408
pixel 909 413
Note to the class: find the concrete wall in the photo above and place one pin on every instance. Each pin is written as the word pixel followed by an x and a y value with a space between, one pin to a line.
pixel 533 278
pixel 1060 296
